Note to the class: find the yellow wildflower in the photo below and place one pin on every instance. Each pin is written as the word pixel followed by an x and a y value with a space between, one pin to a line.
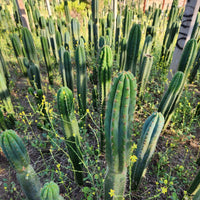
pixel 111 193
pixel 133 158
pixel 163 190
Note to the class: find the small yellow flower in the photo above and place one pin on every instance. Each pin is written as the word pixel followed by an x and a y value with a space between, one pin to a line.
pixel 5 188
pixel 157 183
pixel 165 182
pixel 58 166
pixel 87 110
pixel 163 190
pixel 133 158
pixel 111 193
pixel 134 146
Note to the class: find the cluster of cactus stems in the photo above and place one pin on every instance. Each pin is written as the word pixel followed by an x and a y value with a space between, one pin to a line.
pixel 16 153
pixel 71 130
pixel 146 147
pixel 50 191
pixel 118 124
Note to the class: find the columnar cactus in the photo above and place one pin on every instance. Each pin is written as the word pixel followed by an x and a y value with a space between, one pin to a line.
pixel 195 185
pixel 133 48
pixel 58 39
pixel 90 35
pixel 81 78
pixel 171 97
pixel 71 130
pixel 156 17
pixel 117 34
pixel 188 57
pixel 50 191
pixel 145 70
pixel 146 48
pixel 196 29
pixel 30 19
pixel 118 127
pixel 123 54
pixel 47 58
pixel 126 22
pixel 17 155
pixel 146 147
pixel 67 40
pixel 18 52
pixel 29 46
pixel 95 18
pixel 67 13
pixel 195 67
pixel 75 26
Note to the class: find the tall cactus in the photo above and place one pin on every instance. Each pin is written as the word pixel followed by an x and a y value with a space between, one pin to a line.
pixel 123 54
pixel 71 130
pixel 95 18
pixel 29 46
pixel 195 185
pixel 67 13
pixel 156 17
pixel 118 124
pixel 146 147
pixel 145 70
pixel 47 58
pixel 126 22
pixel 67 40
pixel 133 48
pixel 18 52
pixel 50 191
pixel 75 26
pixel 171 97
pixel 81 78
pixel 30 19
pixel 90 35
pixel 17 155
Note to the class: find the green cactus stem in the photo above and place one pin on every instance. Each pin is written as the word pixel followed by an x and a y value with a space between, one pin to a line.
pixel 118 126
pixel 71 130
pixel 50 191
pixel 133 48
pixel 195 185
pixel 146 147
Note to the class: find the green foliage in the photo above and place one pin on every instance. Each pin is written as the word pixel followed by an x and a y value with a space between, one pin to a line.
pixel 118 122
pixel 146 147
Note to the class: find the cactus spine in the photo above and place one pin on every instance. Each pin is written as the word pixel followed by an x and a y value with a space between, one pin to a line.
pixel 50 191
pixel 145 70
pixel 118 123
pixel 133 48
pixel 146 146
pixel 17 155
pixel 71 129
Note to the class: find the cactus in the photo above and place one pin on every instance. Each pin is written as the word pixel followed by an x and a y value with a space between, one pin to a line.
pixel 29 46
pixel 3 125
pixel 50 191
pixel 34 76
pixel 67 40
pixel 102 41
pixel 103 27
pixel 42 22
pixel 58 39
pixel 146 48
pixel 151 31
pixel 17 155
pixel 109 36
pixel 195 67
pixel 4 69
pixel 171 97
pixel 75 26
pixel 60 28
pixel 30 19
pixel 195 185
pixel 81 78
pixel 133 48
pixel 196 29
pixel 146 147
pixel 90 34
pixel 47 58
pixel 156 17
pixel 118 126
pixel 126 22
pixel 18 52
pixel 95 18
pixel 117 35
pixel 52 33
pixel 110 20
pixel 67 13
pixel 123 55
pixel 145 70
pixel 71 130
pixel 188 57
